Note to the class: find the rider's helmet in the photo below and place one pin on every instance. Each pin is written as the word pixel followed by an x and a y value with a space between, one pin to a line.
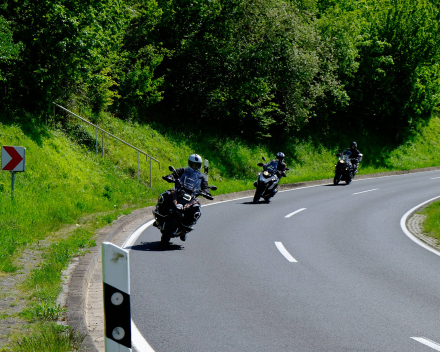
pixel 280 157
pixel 195 162
pixel 353 145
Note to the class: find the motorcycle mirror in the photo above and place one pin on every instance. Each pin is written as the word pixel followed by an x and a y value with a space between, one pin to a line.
pixel 260 164
pixel 172 169
pixel 214 188
pixel 263 158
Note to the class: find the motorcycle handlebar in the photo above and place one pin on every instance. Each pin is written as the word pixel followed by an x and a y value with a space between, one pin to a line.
pixel 206 195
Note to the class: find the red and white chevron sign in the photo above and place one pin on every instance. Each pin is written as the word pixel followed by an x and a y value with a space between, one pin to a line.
pixel 13 158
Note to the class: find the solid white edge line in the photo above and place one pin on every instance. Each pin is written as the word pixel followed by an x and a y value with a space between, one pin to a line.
pixel 138 341
pixel 295 212
pixel 435 178
pixel 409 234
pixel 427 342
pixel 370 190
pixel 284 252
pixel 134 236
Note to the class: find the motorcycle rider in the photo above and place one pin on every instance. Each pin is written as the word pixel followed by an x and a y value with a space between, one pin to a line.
pixel 355 156
pixel 282 167
pixel 169 198
pixel 281 172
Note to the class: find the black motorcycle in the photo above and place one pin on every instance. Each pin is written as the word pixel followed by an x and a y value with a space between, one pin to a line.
pixel 176 221
pixel 345 169
pixel 267 182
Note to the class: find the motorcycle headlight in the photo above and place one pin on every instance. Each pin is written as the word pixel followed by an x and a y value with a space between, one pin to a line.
pixel 266 174
pixel 342 161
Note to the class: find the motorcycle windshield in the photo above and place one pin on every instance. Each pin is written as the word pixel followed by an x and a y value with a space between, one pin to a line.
pixel 272 167
pixel 191 180
pixel 346 155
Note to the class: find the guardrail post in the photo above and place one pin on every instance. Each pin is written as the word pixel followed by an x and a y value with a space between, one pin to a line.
pixel 151 180
pixel 96 141
pixel 138 166
pixel 102 143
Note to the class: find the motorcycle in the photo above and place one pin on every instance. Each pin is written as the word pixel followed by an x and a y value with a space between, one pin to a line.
pixel 177 221
pixel 345 170
pixel 267 182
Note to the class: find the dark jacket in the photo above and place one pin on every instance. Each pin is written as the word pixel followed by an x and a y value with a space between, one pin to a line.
pixel 355 154
pixel 204 185
pixel 281 169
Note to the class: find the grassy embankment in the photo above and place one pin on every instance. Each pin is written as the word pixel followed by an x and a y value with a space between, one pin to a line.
pixel 65 183
pixel 432 222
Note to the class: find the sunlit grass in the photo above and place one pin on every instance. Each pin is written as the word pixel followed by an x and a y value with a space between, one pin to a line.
pixel 432 222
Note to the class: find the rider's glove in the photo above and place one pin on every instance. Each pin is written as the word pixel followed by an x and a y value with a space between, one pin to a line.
pixel 179 206
pixel 168 178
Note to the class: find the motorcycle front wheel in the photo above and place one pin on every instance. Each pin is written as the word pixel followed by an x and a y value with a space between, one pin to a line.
pixel 258 194
pixel 164 240
pixel 337 179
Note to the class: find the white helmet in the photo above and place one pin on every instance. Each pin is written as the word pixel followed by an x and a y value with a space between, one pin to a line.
pixel 195 162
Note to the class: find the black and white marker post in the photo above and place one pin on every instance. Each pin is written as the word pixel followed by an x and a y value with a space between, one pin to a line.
pixel 116 282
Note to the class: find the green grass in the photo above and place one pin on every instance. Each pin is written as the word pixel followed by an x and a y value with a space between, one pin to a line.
pixel 432 222
pixel 49 337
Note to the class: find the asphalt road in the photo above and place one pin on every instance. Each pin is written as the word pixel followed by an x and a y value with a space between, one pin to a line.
pixel 356 282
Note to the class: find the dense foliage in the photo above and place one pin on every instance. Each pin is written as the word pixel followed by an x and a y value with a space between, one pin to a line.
pixel 254 67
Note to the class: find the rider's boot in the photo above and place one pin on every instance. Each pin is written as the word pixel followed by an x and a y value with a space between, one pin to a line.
pixel 183 237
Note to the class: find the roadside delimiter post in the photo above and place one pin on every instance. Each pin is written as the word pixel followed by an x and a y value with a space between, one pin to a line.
pixel 116 287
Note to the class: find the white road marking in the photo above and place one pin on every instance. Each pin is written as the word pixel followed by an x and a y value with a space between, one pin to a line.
pixel 409 234
pixel 134 236
pixel 435 178
pixel 138 340
pixel 295 212
pixel 427 342
pixel 370 190
pixel 285 252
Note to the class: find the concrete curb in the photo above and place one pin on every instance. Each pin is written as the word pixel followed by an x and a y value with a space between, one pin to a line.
pixel 414 225
pixel 82 277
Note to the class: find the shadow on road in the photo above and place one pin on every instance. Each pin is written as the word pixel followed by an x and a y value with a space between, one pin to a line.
pixel 156 247
pixel 259 202
pixel 340 184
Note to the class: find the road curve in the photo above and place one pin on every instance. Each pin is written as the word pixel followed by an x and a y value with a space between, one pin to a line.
pixel 357 282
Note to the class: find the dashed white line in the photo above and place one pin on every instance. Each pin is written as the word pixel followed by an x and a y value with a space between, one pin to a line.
pixel 285 252
pixel 370 190
pixel 435 178
pixel 295 212
pixel 427 342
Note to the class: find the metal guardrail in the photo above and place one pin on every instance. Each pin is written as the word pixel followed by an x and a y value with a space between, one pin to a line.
pixel 120 140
